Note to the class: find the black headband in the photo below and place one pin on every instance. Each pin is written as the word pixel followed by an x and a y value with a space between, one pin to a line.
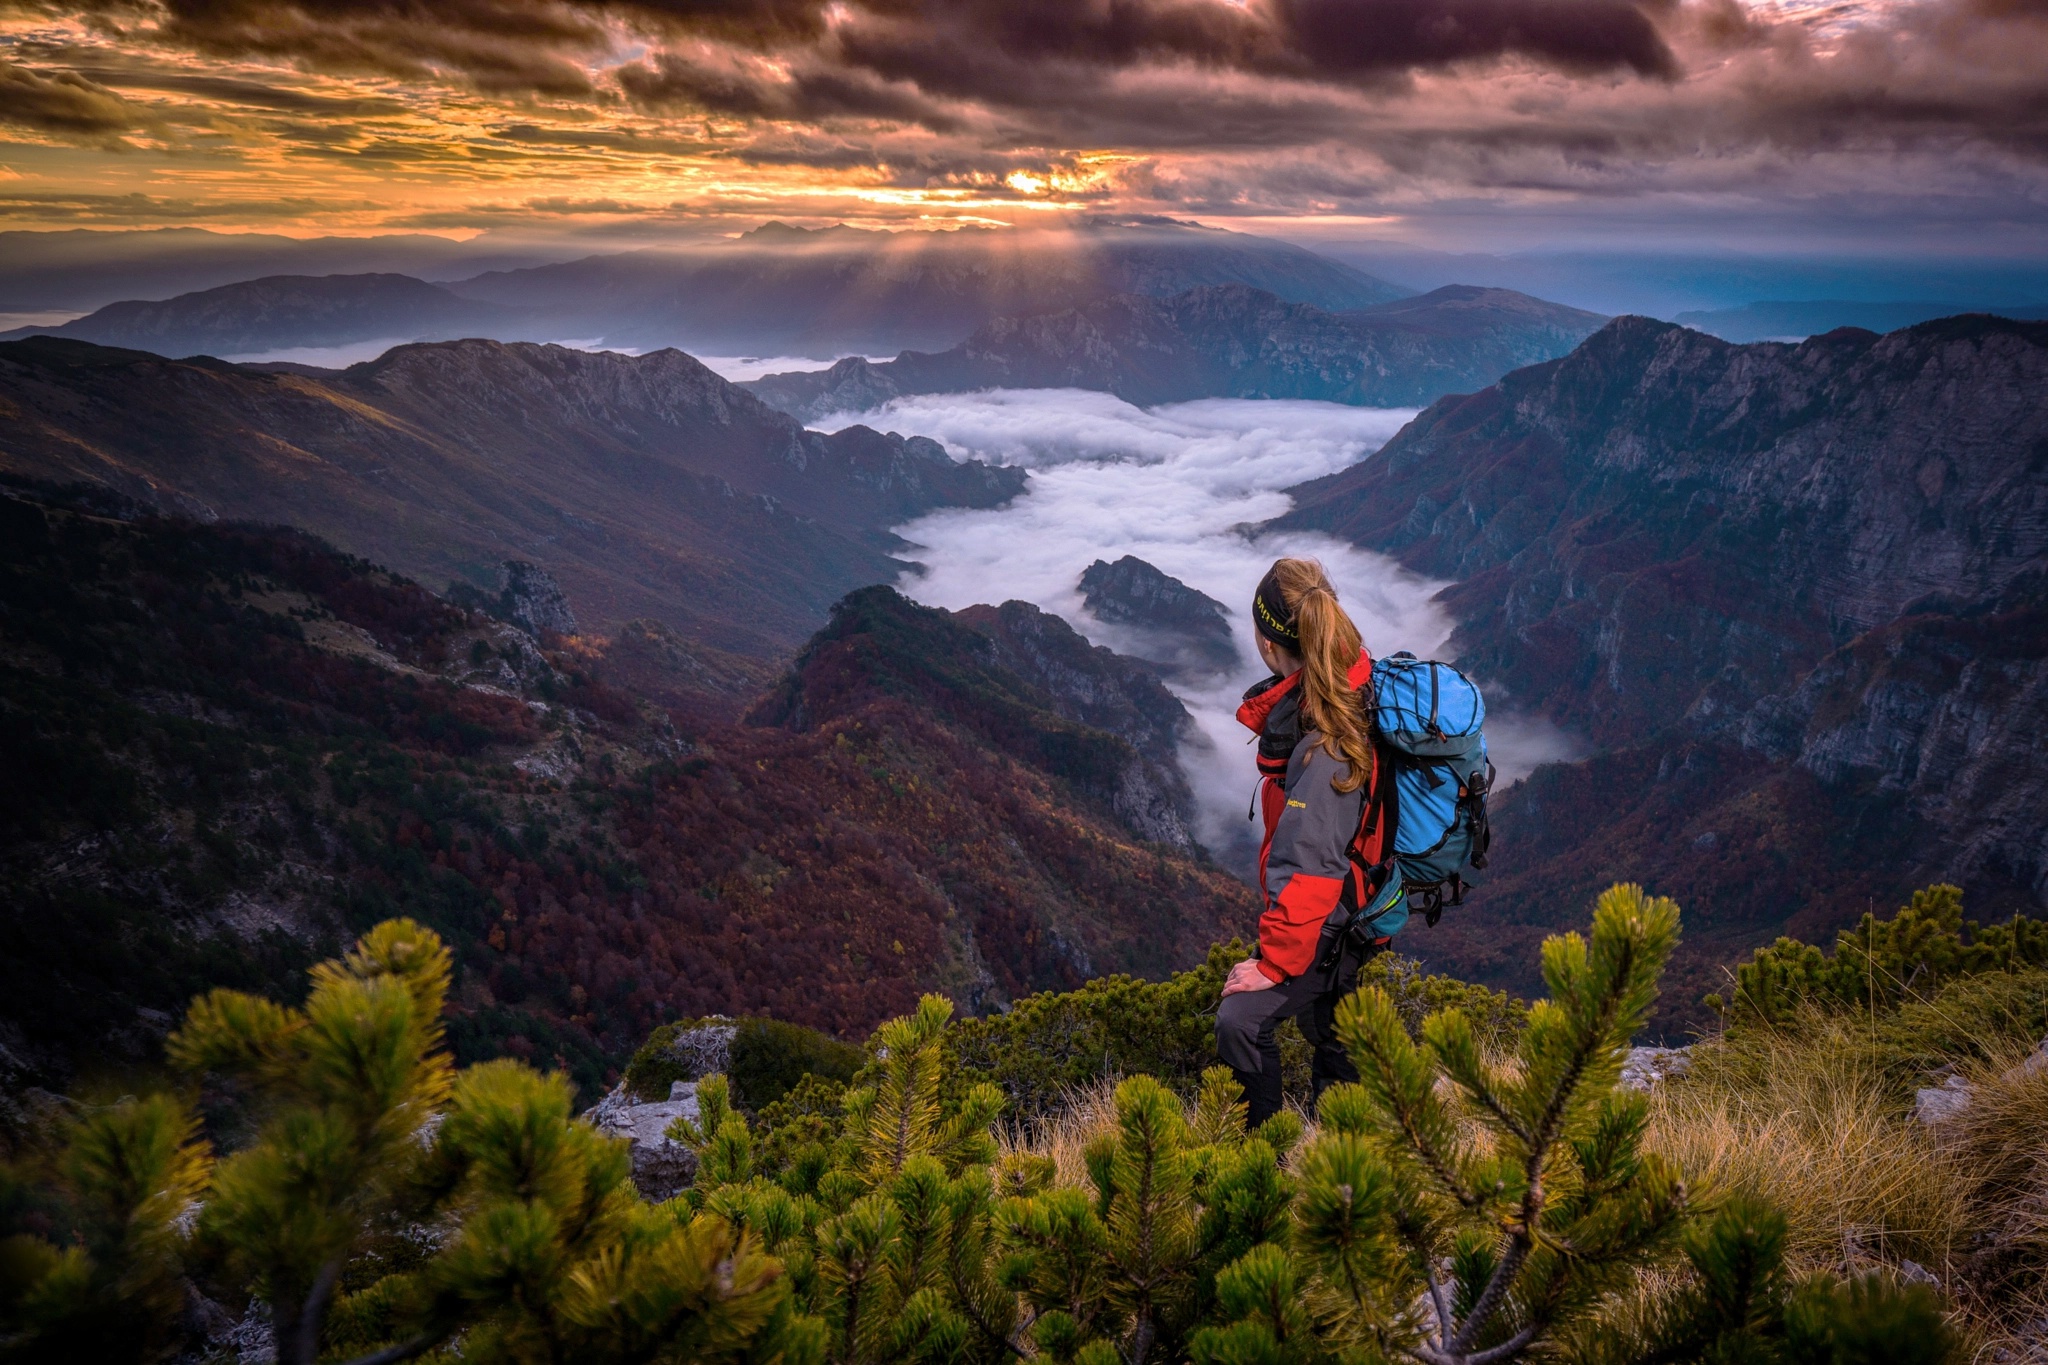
pixel 1271 616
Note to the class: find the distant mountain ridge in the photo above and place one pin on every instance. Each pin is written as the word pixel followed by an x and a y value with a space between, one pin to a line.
pixel 648 486
pixel 780 290
pixel 283 312
pixel 1776 321
pixel 1218 341
pixel 1796 594
pixel 86 268
pixel 777 290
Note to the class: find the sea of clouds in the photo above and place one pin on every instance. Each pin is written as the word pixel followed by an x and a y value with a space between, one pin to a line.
pixel 1179 486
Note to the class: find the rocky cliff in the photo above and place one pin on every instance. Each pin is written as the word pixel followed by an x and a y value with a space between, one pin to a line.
pixel 1223 341
pixel 1791 592
pixel 1183 630
pixel 647 486
pixel 1024 680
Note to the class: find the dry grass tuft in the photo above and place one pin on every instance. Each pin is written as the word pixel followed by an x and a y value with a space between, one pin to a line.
pixel 1811 1121
pixel 1065 1131
pixel 1818 1120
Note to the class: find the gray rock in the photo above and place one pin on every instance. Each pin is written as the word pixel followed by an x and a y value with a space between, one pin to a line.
pixel 1644 1067
pixel 534 601
pixel 2036 1062
pixel 662 1167
pixel 1912 1272
pixel 1939 1104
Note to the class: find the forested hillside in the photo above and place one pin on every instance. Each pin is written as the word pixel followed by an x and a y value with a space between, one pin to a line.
pixel 647 485
pixel 231 748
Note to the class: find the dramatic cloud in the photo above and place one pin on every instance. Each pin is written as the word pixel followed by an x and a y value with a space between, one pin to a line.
pixel 62 103
pixel 910 112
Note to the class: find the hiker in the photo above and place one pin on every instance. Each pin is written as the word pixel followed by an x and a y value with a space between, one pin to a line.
pixel 1317 763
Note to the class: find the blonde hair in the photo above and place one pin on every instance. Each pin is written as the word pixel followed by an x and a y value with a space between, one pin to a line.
pixel 1330 645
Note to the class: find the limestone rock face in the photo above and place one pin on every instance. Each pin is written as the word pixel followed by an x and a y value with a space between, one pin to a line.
pixel 662 1167
pixel 1793 595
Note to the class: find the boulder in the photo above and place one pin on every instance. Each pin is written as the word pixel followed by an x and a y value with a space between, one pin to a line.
pixel 1644 1067
pixel 1938 1104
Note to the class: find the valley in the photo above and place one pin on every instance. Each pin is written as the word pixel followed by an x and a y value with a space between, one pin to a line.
pixel 1760 623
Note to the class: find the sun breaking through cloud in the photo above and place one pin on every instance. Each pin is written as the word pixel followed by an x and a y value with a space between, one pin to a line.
pixel 668 118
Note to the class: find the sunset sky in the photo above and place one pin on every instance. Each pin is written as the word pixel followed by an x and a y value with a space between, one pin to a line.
pixel 1461 124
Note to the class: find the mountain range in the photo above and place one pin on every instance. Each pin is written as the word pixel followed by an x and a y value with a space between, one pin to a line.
pixel 1219 341
pixel 287 312
pixel 647 485
pixel 81 269
pixel 776 290
pixel 1782 321
pixel 232 748
pixel 1793 594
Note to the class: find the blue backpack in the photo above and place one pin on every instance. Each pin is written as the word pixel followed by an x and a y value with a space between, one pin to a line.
pixel 1430 722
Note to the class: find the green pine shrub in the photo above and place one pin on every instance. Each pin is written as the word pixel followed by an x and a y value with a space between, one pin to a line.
pixel 536 1247
pixel 1880 963
pixel 1485 1193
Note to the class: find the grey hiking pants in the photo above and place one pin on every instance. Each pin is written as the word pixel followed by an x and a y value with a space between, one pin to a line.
pixel 1245 1023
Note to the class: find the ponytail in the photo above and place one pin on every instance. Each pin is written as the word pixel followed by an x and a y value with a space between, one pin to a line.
pixel 1328 646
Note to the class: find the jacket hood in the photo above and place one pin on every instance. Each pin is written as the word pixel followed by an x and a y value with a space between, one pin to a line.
pixel 1262 698
pixel 1272 711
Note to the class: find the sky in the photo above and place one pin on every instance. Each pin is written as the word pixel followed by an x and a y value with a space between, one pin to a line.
pixel 1869 126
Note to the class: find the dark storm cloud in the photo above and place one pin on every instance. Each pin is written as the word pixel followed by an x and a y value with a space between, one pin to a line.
pixel 1265 106
pixel 942 46
pixel 673 80
pixel 63 104
pixel 250 94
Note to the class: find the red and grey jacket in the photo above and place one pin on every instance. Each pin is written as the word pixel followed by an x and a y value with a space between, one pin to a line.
pixel 1312 830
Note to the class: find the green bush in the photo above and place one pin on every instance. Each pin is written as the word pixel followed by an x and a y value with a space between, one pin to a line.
pixel 1476 1198
pixel 1458 1207
pixel 1880 964
pixel 771 1058
pixel 766 1058
pixel 1051 1045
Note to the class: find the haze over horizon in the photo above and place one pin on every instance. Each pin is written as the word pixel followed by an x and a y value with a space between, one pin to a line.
pixel 1427 140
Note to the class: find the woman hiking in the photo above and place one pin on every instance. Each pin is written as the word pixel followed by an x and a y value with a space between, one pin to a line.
pixel 1316 759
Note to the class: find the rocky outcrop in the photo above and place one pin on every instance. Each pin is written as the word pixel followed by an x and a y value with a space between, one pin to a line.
pixel 662 1167
pixel 1221 341
pixel 528 597
pixel 1023 680
pixel 1104 690
pixel 1170 624
pixel 1793 593
pixel 646 486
